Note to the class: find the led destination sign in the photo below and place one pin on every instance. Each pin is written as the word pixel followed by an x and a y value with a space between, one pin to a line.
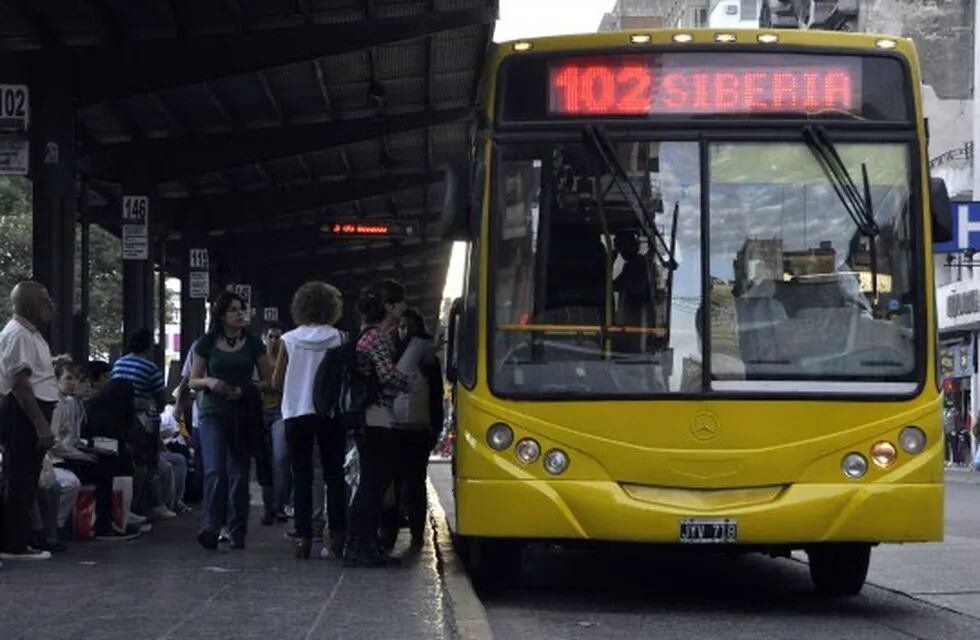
pixel 368 228
pixel 644 85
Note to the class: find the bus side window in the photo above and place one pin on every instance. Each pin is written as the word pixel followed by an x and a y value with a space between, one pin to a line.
pixel 466 341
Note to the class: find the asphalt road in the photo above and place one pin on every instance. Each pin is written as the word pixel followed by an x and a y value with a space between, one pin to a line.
pixel 914 591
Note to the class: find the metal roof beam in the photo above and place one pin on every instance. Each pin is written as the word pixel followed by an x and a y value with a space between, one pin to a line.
pixel 352 259
pixel 238 209
pixel 170 159
pixel 145 66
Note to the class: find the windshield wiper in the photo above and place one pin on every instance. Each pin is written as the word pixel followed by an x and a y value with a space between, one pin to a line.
pixel 857 204
pixel 600 143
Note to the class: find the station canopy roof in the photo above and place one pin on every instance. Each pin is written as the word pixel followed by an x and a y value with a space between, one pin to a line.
pixel 259 121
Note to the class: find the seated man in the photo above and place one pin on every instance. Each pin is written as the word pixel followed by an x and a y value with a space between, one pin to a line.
pixel 69 452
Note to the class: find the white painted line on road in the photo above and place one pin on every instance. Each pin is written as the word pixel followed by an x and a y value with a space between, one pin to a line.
pixel 326 605
pixel 468 612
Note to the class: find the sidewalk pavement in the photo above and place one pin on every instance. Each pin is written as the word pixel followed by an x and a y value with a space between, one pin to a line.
pixel 962 475
pixel 165 586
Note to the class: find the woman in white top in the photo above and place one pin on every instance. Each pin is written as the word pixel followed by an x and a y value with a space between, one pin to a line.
pixel 315 308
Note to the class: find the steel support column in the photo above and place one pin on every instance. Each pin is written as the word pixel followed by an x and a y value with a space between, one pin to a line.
pixel 192 310
pixel 82 334
pixel 162 299
pixel 53 175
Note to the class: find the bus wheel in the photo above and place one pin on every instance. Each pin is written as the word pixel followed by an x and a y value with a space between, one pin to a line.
pixel 839 569
pixel 493 564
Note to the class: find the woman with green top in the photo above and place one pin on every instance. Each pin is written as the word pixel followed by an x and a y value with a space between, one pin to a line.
pixel 224 360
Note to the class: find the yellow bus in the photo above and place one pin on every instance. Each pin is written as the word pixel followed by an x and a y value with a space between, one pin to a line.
pixel 699 300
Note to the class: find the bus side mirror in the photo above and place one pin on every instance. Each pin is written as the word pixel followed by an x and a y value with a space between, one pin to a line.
pixel 942 211
pixel 454 221
pixel 452 371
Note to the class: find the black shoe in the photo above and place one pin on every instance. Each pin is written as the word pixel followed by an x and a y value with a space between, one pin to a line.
pixel 337 540
pixel 208 540
pixel 367 556
pixel 53 547
pixel 303 548
pixel 267 518
pixel 116 536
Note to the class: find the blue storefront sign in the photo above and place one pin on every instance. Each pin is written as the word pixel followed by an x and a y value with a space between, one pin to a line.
pixel 966 228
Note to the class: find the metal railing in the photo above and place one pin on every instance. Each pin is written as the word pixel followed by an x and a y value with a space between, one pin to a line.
pixel 962 153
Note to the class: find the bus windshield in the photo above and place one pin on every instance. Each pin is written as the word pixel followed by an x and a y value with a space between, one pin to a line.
pixel 598 286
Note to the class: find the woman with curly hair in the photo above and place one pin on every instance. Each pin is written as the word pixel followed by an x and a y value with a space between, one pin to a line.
pixel 316 307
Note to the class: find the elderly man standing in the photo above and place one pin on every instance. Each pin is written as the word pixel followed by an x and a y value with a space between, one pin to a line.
pixel 29 391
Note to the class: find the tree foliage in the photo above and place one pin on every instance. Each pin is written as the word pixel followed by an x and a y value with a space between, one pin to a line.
pixel 16 250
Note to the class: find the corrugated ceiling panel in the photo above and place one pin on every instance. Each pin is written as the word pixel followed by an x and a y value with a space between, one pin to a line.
pixel 407 59
pixel 338 11
pixel 400 8
pixel 148 116
pixel 194 102
pixel 297 90
pixel 244 98
pixel 457 50
pixel 346 68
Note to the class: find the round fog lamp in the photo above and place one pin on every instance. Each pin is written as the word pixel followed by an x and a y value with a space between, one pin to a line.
pixel 854 466
pixel 555 462
pixel 883 454
pixel 499 436
pixel 912 440
pixel 527 451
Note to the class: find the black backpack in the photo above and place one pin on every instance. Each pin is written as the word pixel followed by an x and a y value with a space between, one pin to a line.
pixel 340 393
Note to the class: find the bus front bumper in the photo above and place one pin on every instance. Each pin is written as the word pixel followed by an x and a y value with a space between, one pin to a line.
pixel 604 510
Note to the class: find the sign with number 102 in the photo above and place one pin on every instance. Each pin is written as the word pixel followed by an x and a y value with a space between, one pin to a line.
pixel 15 107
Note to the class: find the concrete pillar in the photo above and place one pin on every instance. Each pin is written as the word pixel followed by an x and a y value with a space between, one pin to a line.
pixel 53 174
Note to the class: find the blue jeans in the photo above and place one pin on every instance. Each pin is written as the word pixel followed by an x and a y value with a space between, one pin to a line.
pixel 276 497
pixel 175 480
pixel 226 473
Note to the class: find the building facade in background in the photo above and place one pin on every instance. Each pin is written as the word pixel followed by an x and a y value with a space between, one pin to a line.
pixel 636 14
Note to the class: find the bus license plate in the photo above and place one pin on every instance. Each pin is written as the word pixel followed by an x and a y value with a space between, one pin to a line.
pixel 703 531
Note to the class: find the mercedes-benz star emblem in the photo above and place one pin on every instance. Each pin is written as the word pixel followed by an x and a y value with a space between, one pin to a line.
pixel 705 427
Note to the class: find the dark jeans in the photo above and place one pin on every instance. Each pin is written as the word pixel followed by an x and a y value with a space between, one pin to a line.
pixel 100 474
pixel 376 449
pixel 226 471
pixel 331 440
pixel 411 464
pixel 21 470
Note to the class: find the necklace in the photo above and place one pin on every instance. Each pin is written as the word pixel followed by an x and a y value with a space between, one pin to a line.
pixel 231 340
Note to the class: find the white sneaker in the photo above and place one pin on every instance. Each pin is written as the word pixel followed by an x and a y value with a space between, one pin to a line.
pixel 162 513
pixel 29 554
pixel 133 518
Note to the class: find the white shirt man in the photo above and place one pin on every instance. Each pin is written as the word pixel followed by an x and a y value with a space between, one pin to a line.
pixel 30 391
pixel 23 348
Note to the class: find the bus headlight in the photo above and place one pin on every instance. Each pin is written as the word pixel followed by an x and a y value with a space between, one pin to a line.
pixel 527 451
pixel 883 454
pixel 555 461
pixel 912 440
pixel 499 436
pixel 854 466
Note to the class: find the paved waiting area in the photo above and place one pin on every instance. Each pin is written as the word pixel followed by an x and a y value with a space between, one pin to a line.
pixel 164 585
